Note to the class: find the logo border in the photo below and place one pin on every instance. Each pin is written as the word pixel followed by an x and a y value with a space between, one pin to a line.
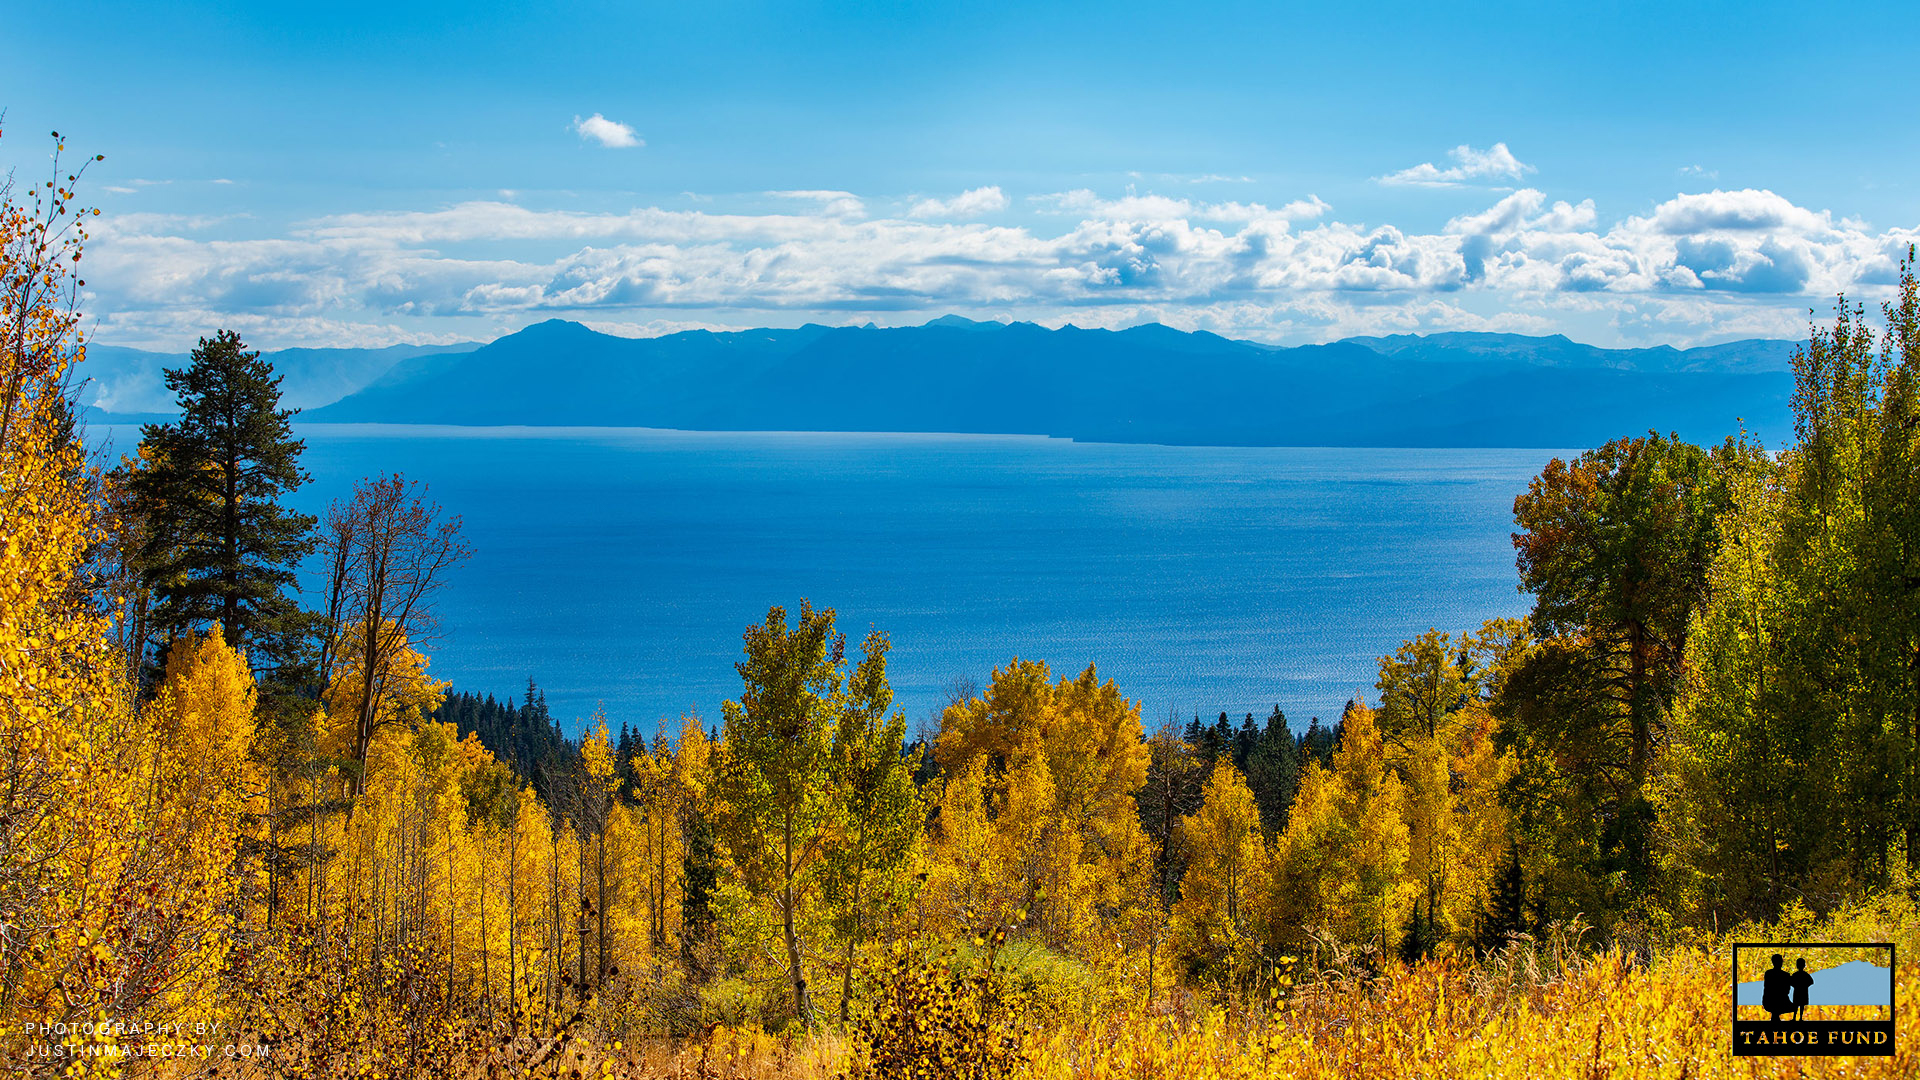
pixel 1733 977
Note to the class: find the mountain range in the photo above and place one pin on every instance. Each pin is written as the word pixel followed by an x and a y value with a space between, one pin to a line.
pixel 1145 384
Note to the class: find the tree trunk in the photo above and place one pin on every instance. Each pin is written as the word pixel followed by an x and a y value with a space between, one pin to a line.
pixel 513 922
pixel 846 977
pixel 581 928
pixel 802 1004
pixel 230 602
pixel 600 977
pixel 450 921
pixel 486 975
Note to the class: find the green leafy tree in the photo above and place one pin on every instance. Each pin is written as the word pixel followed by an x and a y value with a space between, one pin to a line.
pixel 1797 748
pixel 219 547
pixel 867 873
pixel 1439 737
pixel 776 811
pixel 1422 686
pixel 1735 749
pixel 1614 545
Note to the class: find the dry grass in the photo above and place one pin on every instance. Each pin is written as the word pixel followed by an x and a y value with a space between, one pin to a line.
pixel 1602 1016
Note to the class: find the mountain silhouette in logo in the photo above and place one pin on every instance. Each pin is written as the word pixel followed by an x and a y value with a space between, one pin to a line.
pixel 1856 982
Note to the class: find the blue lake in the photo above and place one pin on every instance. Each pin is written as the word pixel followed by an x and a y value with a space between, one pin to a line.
pixel 619 566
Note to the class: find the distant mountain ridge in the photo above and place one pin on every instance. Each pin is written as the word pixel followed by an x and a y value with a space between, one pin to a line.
pixel 122 381
pixel 1148 383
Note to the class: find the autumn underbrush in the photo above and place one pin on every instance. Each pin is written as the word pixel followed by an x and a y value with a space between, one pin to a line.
pixel 1559 1003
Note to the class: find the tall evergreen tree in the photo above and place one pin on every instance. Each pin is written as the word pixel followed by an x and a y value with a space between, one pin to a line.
pixel 1506 912
pixel 222 549
pixel 1273 772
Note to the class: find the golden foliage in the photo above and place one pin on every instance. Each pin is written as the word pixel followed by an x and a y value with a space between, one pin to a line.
pixel 1603 1018
pixel 1226 882
pixel 1338 866
pixel 1046 774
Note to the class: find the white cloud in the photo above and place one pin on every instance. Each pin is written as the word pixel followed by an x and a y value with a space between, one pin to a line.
pixel 832 203
pixel 1696 265
pixel 652 327
pixel 608 133
pixel 1469 166
pixel 972 203
pixel 135 185
pixel 1523 210
pixel 1132 207
pixel 1746 210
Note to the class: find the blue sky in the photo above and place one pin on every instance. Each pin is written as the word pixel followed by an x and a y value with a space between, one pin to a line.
pixel 366 174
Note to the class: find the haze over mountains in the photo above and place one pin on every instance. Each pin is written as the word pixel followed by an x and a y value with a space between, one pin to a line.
pixel 1145 384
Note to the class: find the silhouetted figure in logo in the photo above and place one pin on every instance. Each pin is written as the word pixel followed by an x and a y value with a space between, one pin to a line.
pixel 1801 981
pixel 1776 989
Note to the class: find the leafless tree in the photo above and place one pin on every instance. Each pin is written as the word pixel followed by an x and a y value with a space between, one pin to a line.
pixel 389 550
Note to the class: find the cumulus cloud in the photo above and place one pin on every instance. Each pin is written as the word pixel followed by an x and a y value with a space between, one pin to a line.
pixel 972 203
pixel 1696 265
pixel 608 133
pixel 1470 166
pixel 1742 211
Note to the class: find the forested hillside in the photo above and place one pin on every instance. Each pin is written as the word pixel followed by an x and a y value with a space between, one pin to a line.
pixel 227 801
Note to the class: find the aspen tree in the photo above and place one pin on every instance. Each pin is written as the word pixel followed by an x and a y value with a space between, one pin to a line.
pixel 1339 866
pixel 1060 765
pixel 1216 919
pixel 777 813
pixel 865 878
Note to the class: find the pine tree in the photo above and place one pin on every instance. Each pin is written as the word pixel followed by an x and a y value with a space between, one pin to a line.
pixel 1273 772
pixel 1507 908
pixel 221 548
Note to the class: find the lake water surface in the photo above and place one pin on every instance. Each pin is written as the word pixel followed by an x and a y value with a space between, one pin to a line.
pixel 619 566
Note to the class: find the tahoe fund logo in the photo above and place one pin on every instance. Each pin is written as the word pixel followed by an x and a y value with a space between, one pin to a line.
pixel 1816 999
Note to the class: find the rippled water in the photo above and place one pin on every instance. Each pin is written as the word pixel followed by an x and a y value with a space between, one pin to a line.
pixel 621 565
